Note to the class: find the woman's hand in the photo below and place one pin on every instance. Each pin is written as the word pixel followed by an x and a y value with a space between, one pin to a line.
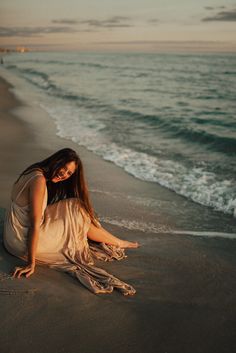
pixel 26 270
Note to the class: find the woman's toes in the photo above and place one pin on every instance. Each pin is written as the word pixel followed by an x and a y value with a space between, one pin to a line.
pixel 133 245
pixel 129 244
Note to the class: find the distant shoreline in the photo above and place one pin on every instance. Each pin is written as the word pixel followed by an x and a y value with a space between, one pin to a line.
pixel 132 47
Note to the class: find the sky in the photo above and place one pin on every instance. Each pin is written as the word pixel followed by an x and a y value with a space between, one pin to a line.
pixel 119 25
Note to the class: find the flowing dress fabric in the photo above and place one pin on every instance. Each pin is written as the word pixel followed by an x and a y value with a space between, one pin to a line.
pixel 63 242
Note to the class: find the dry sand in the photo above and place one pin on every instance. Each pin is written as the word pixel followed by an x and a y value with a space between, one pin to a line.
pixel 186 288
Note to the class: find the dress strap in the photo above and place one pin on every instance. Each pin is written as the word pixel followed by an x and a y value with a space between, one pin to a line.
pixel 25 184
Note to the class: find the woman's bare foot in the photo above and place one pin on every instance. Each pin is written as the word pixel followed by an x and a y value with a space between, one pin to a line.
pixel 128 244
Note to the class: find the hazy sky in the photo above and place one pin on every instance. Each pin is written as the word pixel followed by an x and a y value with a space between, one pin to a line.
pixel 118 24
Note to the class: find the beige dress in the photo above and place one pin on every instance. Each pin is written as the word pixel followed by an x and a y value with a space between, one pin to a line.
pixel 63 242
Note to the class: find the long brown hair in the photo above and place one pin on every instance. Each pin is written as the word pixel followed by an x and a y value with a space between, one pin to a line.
pixel 73 187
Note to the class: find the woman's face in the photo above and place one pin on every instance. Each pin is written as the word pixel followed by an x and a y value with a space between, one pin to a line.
pixel 64 172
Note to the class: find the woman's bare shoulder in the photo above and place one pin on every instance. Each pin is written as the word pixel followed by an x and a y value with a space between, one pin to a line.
pixel 37 185
pixel 36 172
pixel 37 178
pixel 34 181
pixel 30 175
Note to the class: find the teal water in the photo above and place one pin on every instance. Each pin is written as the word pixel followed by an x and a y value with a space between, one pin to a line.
pixel 164 118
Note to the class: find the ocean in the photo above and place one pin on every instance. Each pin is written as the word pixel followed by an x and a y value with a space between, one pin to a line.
pixel 163 118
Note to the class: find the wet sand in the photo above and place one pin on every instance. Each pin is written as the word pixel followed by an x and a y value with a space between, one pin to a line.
pixel 185 300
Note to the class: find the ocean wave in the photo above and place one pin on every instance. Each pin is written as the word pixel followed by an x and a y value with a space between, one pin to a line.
pixel 219 143
pixel 33 72
pixel 177 128
pixel 229 73
pixel 11 67
pixel 95 65
pixel 35 77
pixel 195 183
pixel 136 225
pixel 214 122
pixel 57 62
pixel 216 95
pixel 174 127
pixel 43 81
pixel 171 127
pixel 148 227
pixel 128 114
pixel 205 234
pixel 63 63
pixel 29 71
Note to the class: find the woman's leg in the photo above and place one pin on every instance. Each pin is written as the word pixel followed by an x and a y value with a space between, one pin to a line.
pixel 103 236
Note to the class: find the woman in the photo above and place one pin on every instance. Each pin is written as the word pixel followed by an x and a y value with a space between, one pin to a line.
pixel 51 221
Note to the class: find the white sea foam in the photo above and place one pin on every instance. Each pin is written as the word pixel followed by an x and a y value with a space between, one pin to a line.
pixel 205 234
pixel 136 225
pixel 162 229
pixel 197 183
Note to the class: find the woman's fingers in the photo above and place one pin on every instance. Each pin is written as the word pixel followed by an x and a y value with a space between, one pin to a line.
pixel 22 270
pixel 16 271
pixel 29 273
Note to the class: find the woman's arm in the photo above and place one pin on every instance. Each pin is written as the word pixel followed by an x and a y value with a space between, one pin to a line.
pixel 36 197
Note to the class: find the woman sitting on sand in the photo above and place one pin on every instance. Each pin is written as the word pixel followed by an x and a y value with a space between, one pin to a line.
pixel 51 221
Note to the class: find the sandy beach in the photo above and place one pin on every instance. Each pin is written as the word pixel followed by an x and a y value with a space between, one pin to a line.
pixel 185 300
